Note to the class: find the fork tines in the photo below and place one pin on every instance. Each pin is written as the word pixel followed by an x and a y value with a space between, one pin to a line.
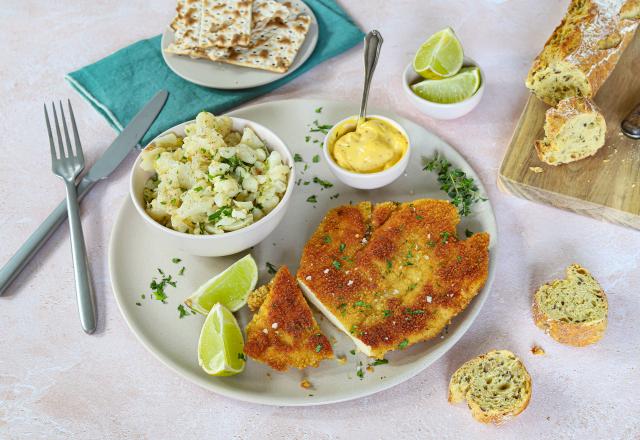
pixel 61 153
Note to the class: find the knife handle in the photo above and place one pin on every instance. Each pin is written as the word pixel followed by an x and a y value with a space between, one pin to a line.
pixel 30 247
pixel 631 124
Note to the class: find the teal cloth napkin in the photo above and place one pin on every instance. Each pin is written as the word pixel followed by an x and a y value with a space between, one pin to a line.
pixel 119 85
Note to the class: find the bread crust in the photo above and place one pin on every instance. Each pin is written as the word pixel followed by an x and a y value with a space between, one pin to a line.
pixel 557 117
pixel 588 44
pixel 575 334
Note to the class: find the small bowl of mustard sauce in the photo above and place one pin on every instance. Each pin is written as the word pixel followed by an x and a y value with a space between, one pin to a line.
pixel 368 155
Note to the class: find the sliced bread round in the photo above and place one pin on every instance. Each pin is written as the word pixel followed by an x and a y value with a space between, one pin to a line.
pixel 573 130
pixel 496 386
pixel 572 311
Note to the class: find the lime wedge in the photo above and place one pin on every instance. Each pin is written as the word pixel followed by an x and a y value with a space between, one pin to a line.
pixel 440 56
pixel 450 90
pixel 230 288
pixel 221 343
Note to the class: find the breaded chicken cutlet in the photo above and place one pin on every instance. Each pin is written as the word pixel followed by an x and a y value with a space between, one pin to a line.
pixel 283 333
pixel 392 274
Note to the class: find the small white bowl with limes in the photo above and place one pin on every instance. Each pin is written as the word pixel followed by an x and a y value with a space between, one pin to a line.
pixel 440 81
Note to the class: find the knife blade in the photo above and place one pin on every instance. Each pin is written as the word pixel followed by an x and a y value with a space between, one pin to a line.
pixel 108 162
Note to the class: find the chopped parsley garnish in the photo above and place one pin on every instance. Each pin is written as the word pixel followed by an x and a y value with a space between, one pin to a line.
pixel 379 362
pixel 389 264
pixel 242 356
pixel 312 199
pixel 318 348
pixel 183 311
pixel 431 243
pixel 462 189
pixel 468 233
pixel 175 260
pixel 353 328
pixel 319 110
pixel 297 158
pixel 335 196
pixel 445 237
pixel 322 128
pixel 181 271
pixel 271 268
pixel 411 287
pixel 360 371
pixel 225 211
pixel 138 304
pixel 198 189
pixel 386 313
pixel 232 161
pixel 361 304
pixel 353 352
pixel 322 183
pixel 459 258
pixel 143 296
pixel 157 287
pixel 403 344
pixel 343 309
pixel 307 139
pixel 326 239
pixel 342 246
pixel 336 264
pixel 315 159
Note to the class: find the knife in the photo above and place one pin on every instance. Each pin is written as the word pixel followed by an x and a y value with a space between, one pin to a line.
pixel 111 158
pixel 631 124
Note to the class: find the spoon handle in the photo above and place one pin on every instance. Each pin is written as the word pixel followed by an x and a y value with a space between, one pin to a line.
pixel 372 45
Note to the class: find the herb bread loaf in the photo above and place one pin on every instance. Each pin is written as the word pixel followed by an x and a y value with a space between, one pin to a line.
pixel 572 311
pixel 573 130
pixel 496 386
pixel 583 49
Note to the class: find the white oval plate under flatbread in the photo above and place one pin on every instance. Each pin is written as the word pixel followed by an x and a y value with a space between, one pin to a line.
pixel 136 252
pixel 220 75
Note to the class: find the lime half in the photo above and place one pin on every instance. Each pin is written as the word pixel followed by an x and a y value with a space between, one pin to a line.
pixel 230 288
pixel 440 56
pixel 221 343
pixel 450 90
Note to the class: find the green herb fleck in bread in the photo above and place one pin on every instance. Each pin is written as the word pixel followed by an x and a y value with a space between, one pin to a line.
pixel 496 386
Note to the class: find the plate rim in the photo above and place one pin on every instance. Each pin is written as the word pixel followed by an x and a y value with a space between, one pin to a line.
pixel 264 399
pixel 277 76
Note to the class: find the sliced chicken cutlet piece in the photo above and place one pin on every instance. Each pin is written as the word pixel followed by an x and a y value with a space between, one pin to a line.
pixel 283 332
pixel 393 274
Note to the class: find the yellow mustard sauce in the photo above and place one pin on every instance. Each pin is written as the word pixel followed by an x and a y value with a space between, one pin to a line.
pixel 373 146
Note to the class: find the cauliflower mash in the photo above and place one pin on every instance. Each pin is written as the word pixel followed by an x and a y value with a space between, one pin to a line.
pixel 214 179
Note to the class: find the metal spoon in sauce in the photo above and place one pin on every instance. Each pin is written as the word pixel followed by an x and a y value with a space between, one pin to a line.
pixel 631 124
pixel 372 44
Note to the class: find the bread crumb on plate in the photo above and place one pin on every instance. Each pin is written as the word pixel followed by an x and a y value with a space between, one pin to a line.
pixel 536 350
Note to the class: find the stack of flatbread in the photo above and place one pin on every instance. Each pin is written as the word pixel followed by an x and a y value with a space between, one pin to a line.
pixel 262 34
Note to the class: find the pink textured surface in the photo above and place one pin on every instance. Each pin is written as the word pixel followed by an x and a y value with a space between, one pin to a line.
pixel 56 382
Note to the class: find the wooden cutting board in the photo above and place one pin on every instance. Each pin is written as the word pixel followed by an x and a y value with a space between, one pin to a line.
pixel 605 186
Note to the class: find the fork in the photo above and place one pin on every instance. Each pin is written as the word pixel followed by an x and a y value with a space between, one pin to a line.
pixel 68 165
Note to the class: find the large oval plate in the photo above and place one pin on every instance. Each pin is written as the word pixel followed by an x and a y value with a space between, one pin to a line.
pixel 136 252
pixel 227 76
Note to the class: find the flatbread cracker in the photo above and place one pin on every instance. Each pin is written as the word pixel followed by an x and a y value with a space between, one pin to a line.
pixel 274 48
pixel 186 26
pixel 264 11
pixel 200 24
pixel 226 23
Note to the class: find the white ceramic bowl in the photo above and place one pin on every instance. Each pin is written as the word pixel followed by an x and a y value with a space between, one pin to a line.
pixel 368 180
pixel 442 111
pixel 229 242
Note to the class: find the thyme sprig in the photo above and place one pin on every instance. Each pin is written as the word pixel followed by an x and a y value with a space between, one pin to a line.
pixel 461 188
